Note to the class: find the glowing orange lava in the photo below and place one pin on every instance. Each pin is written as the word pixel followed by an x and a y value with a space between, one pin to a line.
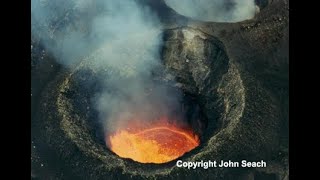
pixel 158 143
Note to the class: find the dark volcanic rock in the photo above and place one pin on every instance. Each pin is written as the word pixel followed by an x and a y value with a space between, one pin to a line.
pixel 237 72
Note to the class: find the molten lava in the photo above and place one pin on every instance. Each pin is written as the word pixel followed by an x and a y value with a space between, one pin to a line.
pixel 157 143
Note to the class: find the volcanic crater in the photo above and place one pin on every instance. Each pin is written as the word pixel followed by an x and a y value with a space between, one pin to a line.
pixel 199 67
pixel 225 102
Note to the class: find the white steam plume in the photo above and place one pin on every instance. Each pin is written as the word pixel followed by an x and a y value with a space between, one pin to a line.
pixel 129 34
pixel 215 10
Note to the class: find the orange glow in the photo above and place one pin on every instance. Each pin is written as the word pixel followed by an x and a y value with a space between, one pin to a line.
pixel 157 143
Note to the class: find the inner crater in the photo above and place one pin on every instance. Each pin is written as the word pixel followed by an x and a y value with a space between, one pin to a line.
pixel 192 95
pixel 142 134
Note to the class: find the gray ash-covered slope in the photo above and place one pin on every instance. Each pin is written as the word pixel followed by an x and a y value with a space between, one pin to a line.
pixel 238 73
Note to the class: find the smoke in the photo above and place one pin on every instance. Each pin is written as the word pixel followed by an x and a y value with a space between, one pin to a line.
pixel 215 10
pixel 128 35
pixel 71 29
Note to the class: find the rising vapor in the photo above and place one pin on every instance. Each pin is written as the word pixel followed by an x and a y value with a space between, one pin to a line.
pixel 129 35
pixel 215 10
